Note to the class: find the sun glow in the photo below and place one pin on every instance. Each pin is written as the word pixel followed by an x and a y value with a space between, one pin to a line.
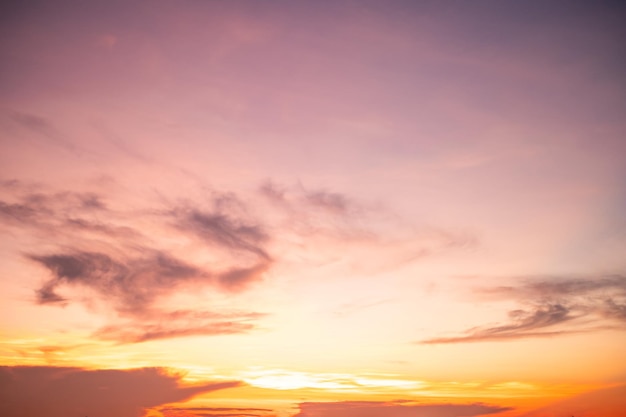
pixel 312 208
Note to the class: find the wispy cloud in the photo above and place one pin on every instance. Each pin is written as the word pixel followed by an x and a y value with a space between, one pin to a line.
pixel 219 411
pixel 119 257
pixel 324 217
pixel 133 288
pixel 58 392
pixel 105 252
pixel 43 128
pixel 394 409
pixel 586 303
pixel 179 323
pixel 131 285
pixel 222 229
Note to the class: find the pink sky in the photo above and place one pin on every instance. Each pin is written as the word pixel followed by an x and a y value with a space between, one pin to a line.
pixel 303 208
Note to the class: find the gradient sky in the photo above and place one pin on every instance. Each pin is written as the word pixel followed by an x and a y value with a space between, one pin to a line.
pixel 312 208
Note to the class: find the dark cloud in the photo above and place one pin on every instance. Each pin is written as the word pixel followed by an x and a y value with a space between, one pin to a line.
pixel 97 252
pixel 145 332
pixel 53 212
pixel 46 294
pixel 310 200
pixel 43 128
pixel 321 214
pixel 554 287
pixel 553 303
pixel 164 328
pixel 31 121
pixel 334 202
pixel 525 324
pixel 133 288
pixel 394 409
pixel 132 285
pixel 123 267
pixel 62 392
pixel 223 230
pixel 238 278
pixel 273 192
pixel 221 411
pixel 17 212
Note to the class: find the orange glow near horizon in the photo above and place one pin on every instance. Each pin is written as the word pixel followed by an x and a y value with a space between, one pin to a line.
pixel 312 209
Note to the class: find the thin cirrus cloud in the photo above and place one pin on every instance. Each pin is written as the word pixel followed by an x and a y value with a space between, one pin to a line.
pixel 323 214
pixel 42 127
pixel 180 323
pixel 394 409
pixel 132 285
pixel 553 304
pixel 62 391
pixel 219 411
pixel 115 256
pixel 105 252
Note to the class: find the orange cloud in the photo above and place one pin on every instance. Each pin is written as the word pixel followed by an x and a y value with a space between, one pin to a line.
pixel 394 409
pixel 609 402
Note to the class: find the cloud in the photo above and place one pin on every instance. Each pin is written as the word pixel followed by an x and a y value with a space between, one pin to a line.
pixel 552 303
pixel 43 128
pixel 59 392
pixel 372 237
pixel 95 249
pixel 166 325
pixel 334 202
pixel 219 411
pixel 132 285
pixel 239 278
pixel 524 324
pixel 394 409
pixel 561 287
pixel 222 229
pixel 307 201
pixel 155 331
pixel 60 213
pixel 126 271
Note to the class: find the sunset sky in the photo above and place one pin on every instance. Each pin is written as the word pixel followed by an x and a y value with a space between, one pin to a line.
pixel 334 208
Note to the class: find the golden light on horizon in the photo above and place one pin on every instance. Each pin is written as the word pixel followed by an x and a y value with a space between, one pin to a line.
pixel 312 209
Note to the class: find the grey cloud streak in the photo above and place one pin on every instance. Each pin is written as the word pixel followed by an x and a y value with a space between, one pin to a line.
pixel 320 214
pixel 132 285
pixel 123 258
pixel 553 303
pixel 395 409
pixel 221 229
pixel 104 252
pixel 222 411
pixel 62 391
pixel 180 323
pixel 43 128
pixel 133 288
pixel 333 203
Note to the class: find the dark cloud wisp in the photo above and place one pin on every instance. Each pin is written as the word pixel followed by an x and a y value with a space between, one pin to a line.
pixel 132 260
pixel 132 285
pixel 60 392
pixel 553 304
pixel 394 409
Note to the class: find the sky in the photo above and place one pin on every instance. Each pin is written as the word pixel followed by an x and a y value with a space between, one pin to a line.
pixel 348 208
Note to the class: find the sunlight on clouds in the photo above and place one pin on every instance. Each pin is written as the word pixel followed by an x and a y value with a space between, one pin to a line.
pixel 290 380
pixel 331 208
